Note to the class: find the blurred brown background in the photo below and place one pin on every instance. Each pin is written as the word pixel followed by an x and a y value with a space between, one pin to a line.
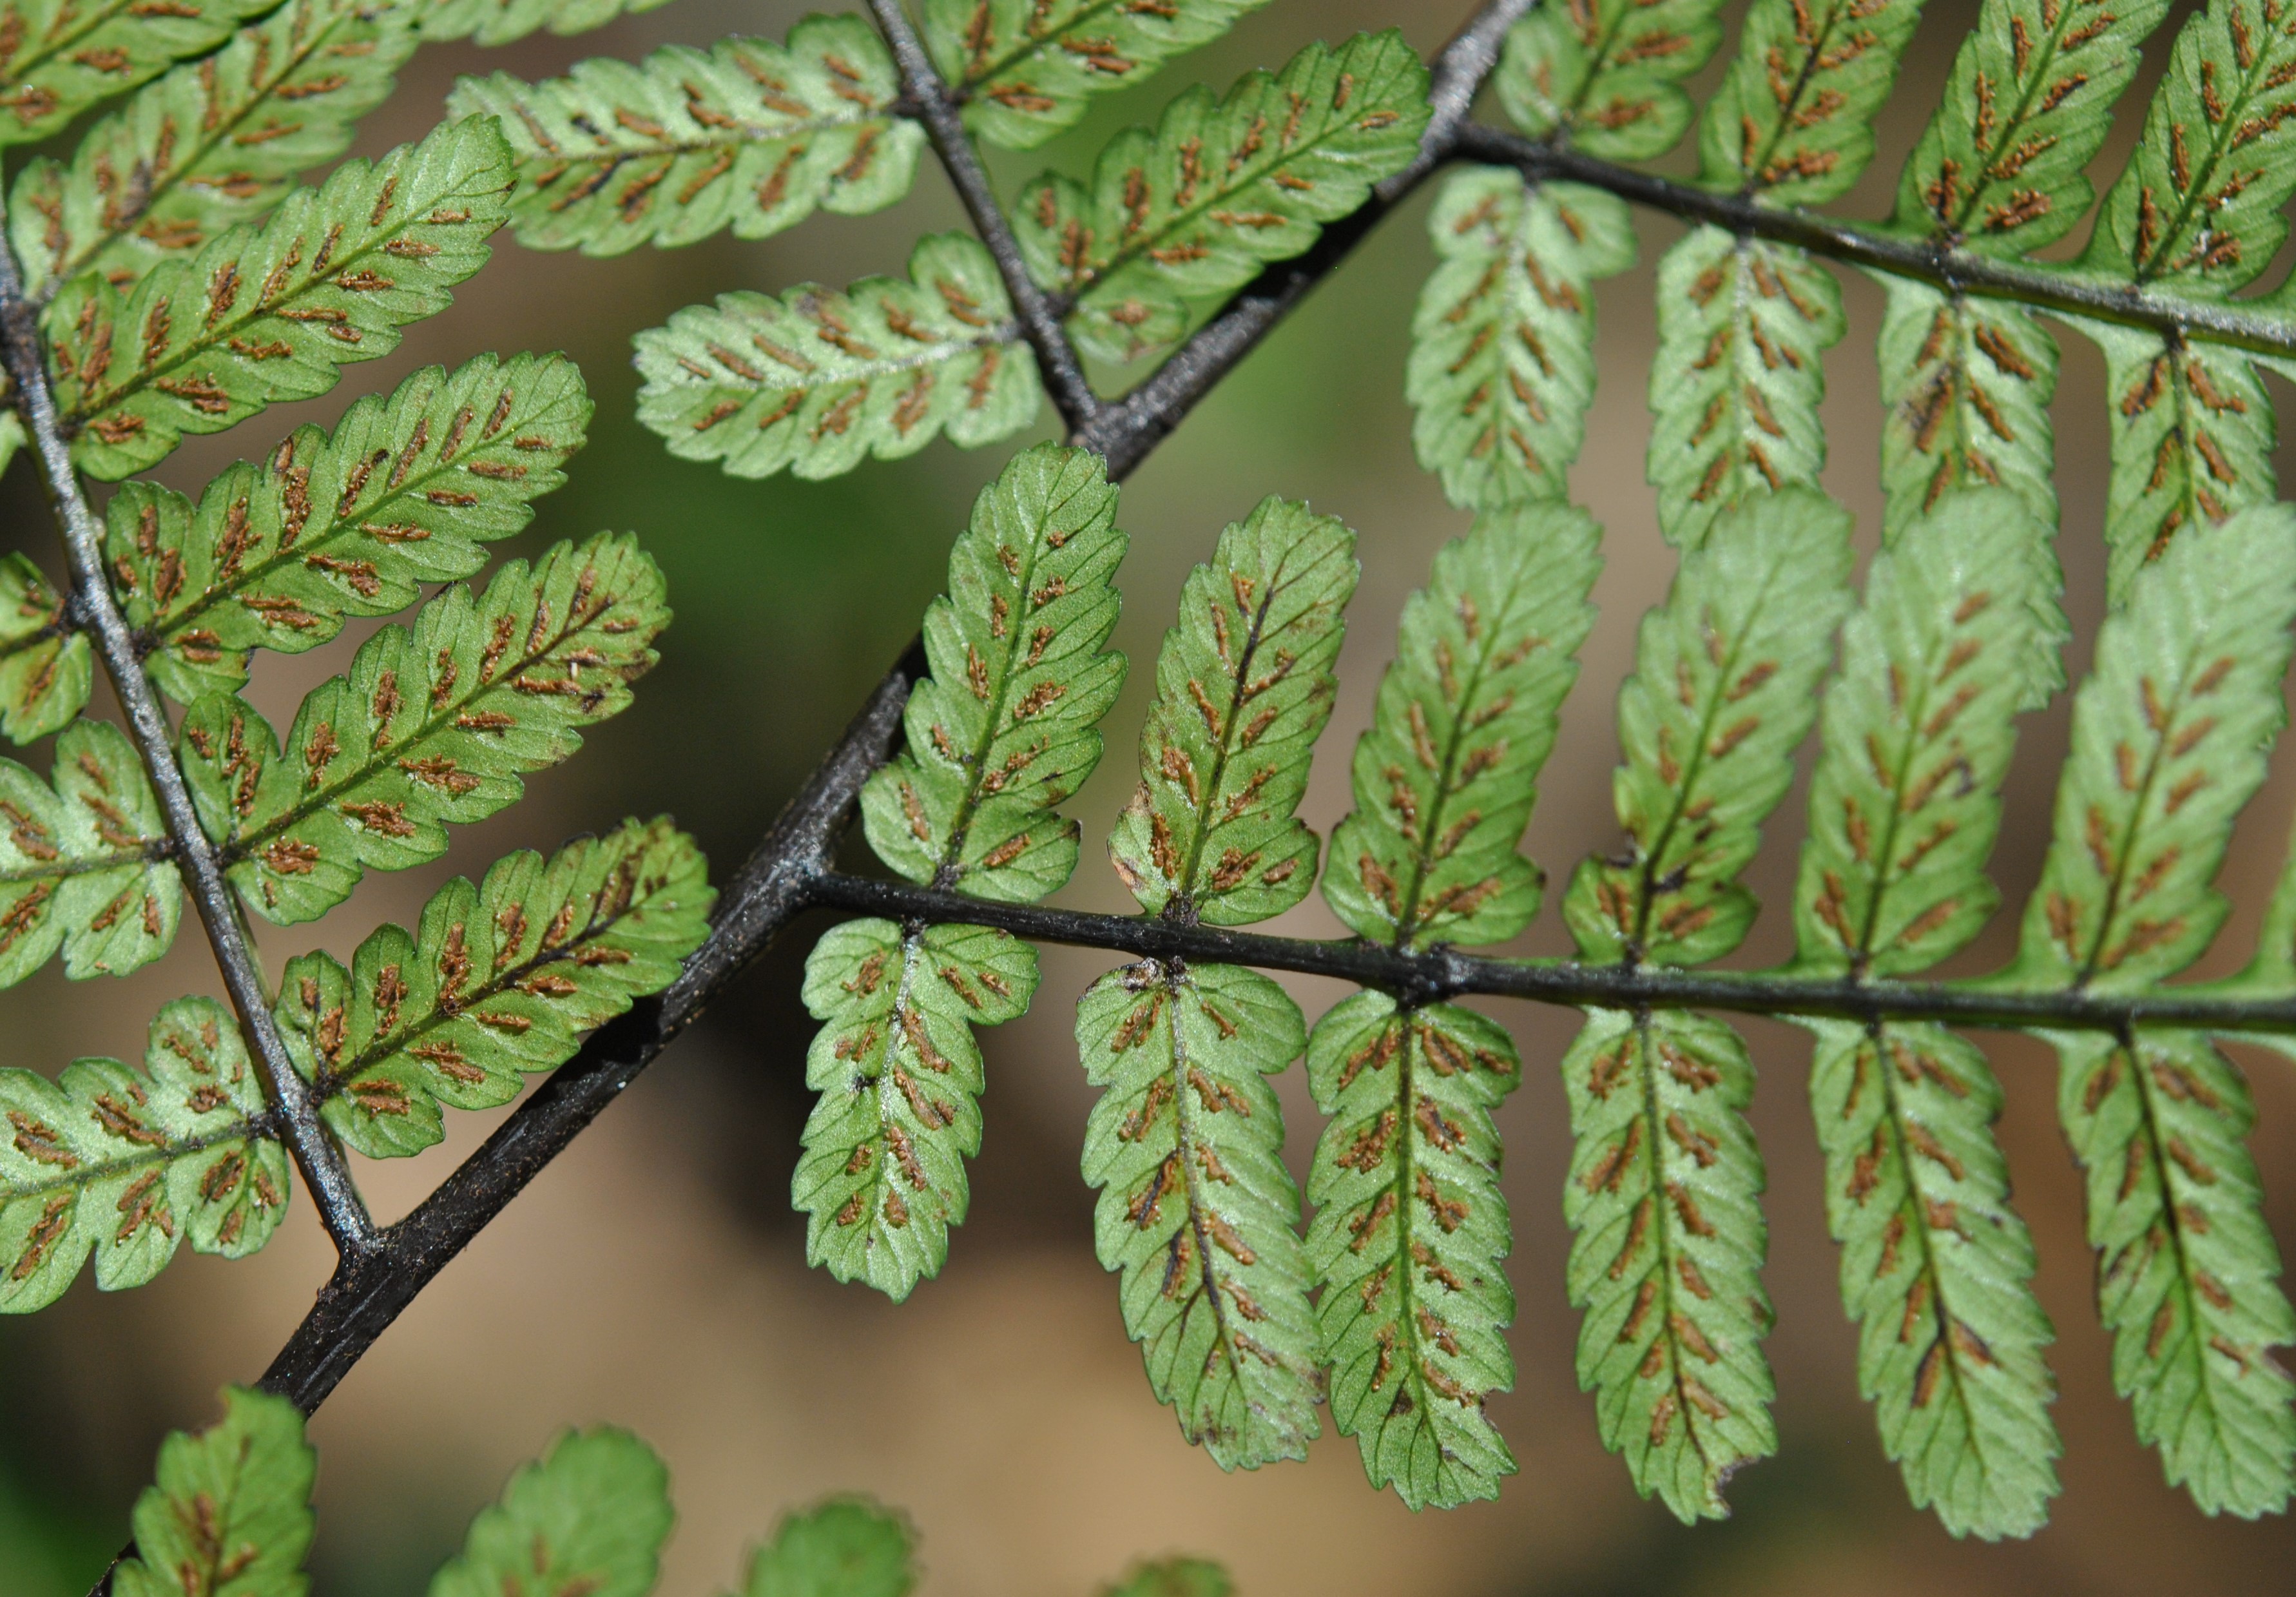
pixel 655 1277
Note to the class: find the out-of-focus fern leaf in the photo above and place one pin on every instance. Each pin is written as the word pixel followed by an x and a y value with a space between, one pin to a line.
pixel 1243 686
pixel 1792 121
pixel 1742 327
pixel 1444 778
pixel 1028 69
pixel 1916 739
pixel 748 134
pixel 1904 810
pixel 230 1512
pixel 1605 74
pixel 405 491
pixel 500 21
pixel 881 1178
pixel 212 144
pixel 1176 218
pixel 2187 1270
pixel 83 866
pixel 1175 1577
pixel 1003 731
pixel 1196 1209
pixel 59 57
pixel 814 381
pixel 429 725
pixel 1408 1240
pixel 2192 443
pixel 128 1163
pixel 498 982
pixel 845 1547
pixel 589 1519
pixel 262 314
pixel 1935 1267
pixel 2169 739
pixel 1502 364
pixel 1664 1196
pixel 1998 169
pixel 1724 689
pixel 45 668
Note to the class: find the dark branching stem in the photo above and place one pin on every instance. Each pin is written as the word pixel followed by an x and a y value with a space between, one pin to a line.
pixel 1894 255
pixel 1040 320
pixel 322 1162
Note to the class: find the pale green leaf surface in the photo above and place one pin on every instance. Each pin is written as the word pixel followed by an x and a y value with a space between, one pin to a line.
pixel 500 21
pixel 846 1547
pixel 406 491
pixel 814 381
pixel 230 1512
pixel 1408 1242
pixel 1445 776
pixel 1936 1269
pixel 1664 1201
pixel 882 1177
pixel 498 982
pixel 1176 216
pixel 212 144
pixel 1003 729
pixel 430 726
pixel 1792 122
pixel 1725 689
pixel 747 134
pixel 45 667
pixel 268 314
pixel 1243 687
pixel 2169 738
pixel 64 56
pixel 1502 365
pixel 1605 75
pixel 1028 69
pixel 1742 327
pixel 1967 384
pixel 1196 1209
pixel 126 1163
pixel 587 1522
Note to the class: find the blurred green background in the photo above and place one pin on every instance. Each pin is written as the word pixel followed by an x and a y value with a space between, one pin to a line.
pixel 654 1276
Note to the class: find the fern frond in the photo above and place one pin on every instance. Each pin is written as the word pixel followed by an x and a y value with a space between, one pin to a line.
pixel 128 1163
pixel 1792 121
pixel 2171 735
pixel 1998 169
pixel 1408 1241
pixel 881 1178
pixel 406 491
pixel 815 381
pixel 1724 689
pixel 590 1519
pixel 1243 687
pixel 1935 1269
pixel 262 314
pixel 845 1547
pixel 230 1512
pixel 1904 806
pixel 66 56
pixel 212 144
pixel 1196 1209
pixel 1445 776
pixel 498 982
pixel 1664 1196
pixel 1173 1578
pixel 1003 729
pixel 1176 218
pixel 748 135
pixel 1604 74
pixel 429 725
pixel 1502 364
pixel 45 669
pixel 84 866
pixel 2193 436
pixel 1743 327
pixel 1967 383
pixel 1026 69
pixel 501 21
